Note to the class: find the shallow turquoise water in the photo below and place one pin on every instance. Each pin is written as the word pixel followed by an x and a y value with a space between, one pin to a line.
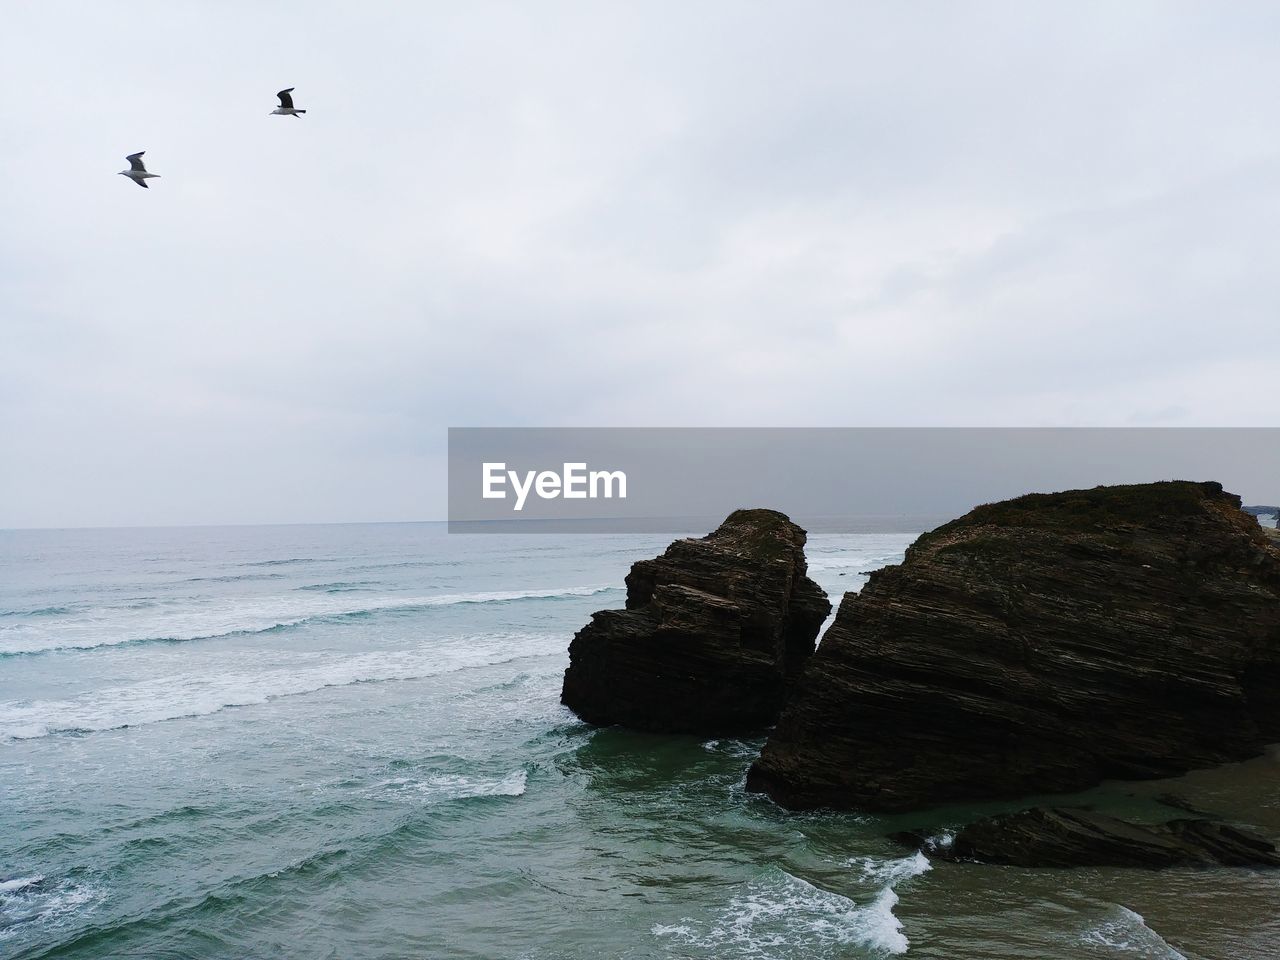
pixel 346 741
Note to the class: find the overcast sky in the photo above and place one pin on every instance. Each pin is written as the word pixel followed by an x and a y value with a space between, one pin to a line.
pixel 633 214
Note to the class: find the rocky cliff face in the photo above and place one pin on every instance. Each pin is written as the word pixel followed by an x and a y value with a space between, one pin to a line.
pixel 713 633
pixel 1042 644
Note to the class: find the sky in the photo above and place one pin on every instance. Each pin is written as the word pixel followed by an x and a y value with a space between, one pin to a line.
pixel 609 214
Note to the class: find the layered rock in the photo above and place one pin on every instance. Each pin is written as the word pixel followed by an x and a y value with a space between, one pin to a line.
pixel 1062 837
pixel 714 632
pixel 1038 645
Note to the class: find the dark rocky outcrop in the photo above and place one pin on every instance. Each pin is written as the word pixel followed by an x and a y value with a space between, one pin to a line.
pixel 713 633
pixel 1041 645
pixel 1063 837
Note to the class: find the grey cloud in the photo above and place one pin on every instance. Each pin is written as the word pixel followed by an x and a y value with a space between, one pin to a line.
pixel 612 214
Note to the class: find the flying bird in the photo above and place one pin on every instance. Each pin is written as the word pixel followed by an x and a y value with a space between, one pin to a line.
pixel 286 108
pixel 137 171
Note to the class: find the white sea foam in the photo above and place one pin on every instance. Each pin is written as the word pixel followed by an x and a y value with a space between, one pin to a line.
pixel 33 900
pixel 457 786
pixel 732 748
pixel 876 870
pixel 19 883
pixel 681 930
pixel 781 916
pixel 822 564
pixel 943 840
pixel 199 618
pixel 197 694
pixel 873 551
pixel 1126 931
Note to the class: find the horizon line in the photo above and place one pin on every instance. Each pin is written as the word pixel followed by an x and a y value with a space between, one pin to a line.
pixel 444 522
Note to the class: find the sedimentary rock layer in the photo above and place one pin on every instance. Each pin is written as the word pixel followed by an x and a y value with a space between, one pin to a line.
pixel 713 633
pixel 1042 644
pixel 1064 837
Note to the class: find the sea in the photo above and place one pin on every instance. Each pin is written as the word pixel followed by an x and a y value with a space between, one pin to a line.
pixel 346 741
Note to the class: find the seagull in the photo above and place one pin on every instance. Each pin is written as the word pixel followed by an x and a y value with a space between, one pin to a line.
pixel 286 108
pixel 137 172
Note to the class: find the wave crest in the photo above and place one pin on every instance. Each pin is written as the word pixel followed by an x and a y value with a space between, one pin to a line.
pixel 451 786
pixel 192 695
pixel 780 910
pixel 218 618
pixel 1126 930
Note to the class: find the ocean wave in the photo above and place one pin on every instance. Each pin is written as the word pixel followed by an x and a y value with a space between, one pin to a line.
pixel 781 915
pixel 819 565
pixel 215 618
pixel 421 564
pixel 738 749
pixel 1125 930
pixel 891 872
pixel 19 883
pixel 455 787
pixel 510 683
pixel 190 695
pixel 38 612
pixel 34 900
pixel 327 863
pixel 237 893
pixel 288 561
pixel 338 586
pixel 235 578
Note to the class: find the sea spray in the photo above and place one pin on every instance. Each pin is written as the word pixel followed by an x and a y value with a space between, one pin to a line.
pixel 781 915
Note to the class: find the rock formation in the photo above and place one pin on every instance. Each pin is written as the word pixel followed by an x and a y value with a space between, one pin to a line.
pixel 1262 510
pixel 1038 645
pixel 1061 837
pixel 713 633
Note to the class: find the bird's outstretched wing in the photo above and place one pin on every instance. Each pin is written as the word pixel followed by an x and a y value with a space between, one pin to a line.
pixel 140 182
pixel 286 101
pixel 135 161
